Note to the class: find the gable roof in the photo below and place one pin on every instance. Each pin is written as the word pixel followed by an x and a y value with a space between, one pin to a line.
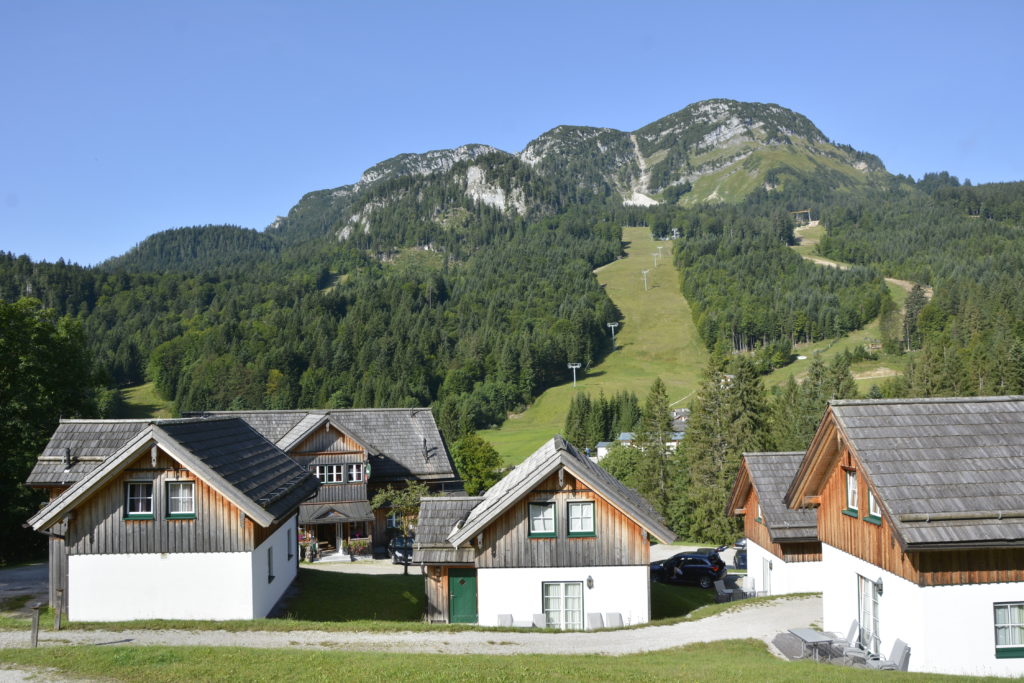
pixel 770 475
pixel 553 455
pixel 226 453
pixel 946 472
pixel 438 516
pixel 403 442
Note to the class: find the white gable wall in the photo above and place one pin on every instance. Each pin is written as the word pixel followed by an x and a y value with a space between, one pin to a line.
pixel 950 629
pixel 517 591
pixel 786 577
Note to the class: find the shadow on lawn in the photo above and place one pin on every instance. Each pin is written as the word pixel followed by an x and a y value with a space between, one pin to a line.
pixel 339 596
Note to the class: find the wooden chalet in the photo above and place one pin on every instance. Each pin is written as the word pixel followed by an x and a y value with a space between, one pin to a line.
pixel 920 515
pixel 355 453
pixel 783 550
pixel 168 519
pixel 558 542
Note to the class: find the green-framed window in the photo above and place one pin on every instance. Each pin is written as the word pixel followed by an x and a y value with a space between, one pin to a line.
pixel 851 493
pixel 1009 625
pixel 542 520
pixel 138 500
pixel 181 500
pixel 581 518
pixel 874 510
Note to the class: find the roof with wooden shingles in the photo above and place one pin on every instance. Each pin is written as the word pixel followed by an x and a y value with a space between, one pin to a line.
pixel 769 475
pixel 438 516
pixel 947 472
pixel 227 453
pixel 404 443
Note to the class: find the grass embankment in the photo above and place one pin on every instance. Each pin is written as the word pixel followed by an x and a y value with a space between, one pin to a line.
pixel 142 401
pixel 731 660
pixel 657 338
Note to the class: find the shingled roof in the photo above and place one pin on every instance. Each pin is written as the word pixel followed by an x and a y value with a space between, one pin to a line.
pixel 404 443
pixel 770 475
pixel 78 447
pixel 947 472
pixel 438 516
pixel 225 452
pixel 547 459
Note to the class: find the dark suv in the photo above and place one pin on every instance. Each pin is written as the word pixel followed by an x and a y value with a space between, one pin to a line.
pixel 400 549
pixel 701 567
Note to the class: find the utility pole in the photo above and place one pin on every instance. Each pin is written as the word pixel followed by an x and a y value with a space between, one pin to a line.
pixel 573 367
pixel 644 273
pixel 612 327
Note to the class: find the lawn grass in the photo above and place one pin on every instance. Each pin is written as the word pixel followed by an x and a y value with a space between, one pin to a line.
pixel 730 660
pixel 657 338
pixel 341 601
pixel 142 401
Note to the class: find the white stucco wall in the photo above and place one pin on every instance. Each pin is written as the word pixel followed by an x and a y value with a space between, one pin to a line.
pixel 517 591
pixel 160 586
pixel 786 577
pixel 265 594
pixel 179 585
pixel 950 629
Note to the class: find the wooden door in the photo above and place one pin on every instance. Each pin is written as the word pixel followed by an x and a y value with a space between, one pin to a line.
pixel 462 596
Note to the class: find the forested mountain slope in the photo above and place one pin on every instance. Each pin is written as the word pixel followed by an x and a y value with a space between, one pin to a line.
pixel 463 278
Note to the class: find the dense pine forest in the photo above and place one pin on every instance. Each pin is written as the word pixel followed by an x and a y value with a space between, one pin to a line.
pixel 463 280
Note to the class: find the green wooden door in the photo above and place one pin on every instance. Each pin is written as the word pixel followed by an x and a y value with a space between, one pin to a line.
pixel 461 596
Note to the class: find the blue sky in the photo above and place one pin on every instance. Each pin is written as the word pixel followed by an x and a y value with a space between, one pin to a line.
pixel 120 119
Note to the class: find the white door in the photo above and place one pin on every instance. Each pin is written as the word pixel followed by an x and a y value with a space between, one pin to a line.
pixel 867 613
pixel 766 576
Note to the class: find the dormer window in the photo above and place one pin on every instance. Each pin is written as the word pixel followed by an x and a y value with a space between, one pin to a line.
pixel 851 493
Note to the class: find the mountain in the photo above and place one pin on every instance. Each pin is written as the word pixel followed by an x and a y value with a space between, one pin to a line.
pixel 463 279
pixel 716 150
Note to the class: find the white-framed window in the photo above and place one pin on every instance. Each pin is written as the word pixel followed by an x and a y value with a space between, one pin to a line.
pixel 851 490
pixel 759 512
pixel 873 508
pixel 1009 624
pixel 270 564
pixel 542 519
pixel 355 471
pixel 581 518
pixel 330 474
pixel 394 521
pixel 563 605
pixel 181 499
pixel 867 610
pixel 138 499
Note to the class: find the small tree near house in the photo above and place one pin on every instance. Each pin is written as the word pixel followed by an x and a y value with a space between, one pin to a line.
pixel 404 503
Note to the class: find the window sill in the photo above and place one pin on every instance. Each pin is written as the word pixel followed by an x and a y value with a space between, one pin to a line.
pixel 583 534
pixel 873 519
pixel 757 519
pixel 192 516
pixel 542 535
pixel 1009 652
pixel 138 518
pixel 851 513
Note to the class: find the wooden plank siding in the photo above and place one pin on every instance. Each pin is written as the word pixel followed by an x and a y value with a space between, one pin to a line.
pixel 98 526
pixel 619 541
pixel 876 543
pixel 331 447
pixel 328 440
pixel 758 532
pixel 437 593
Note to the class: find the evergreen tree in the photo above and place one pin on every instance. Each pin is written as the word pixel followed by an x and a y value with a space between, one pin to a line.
pixel 651 438
pixel 916 300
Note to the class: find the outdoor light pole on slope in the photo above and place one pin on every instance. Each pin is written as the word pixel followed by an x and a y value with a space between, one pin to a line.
pixel 573 367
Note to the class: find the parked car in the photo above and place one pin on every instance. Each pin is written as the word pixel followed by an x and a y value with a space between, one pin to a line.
pixel 400 549
pixel 741 543
pixel 702 567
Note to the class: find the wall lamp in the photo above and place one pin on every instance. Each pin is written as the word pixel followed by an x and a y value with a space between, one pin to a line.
pixel 878 585
pixel 590 582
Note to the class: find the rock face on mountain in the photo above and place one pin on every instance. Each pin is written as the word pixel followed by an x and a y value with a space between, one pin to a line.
pixel 715 150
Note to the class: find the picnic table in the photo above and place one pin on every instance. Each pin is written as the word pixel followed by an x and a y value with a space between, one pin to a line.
pixel 811 639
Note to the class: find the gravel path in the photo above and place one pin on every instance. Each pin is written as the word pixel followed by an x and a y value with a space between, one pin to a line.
pixel 760 621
